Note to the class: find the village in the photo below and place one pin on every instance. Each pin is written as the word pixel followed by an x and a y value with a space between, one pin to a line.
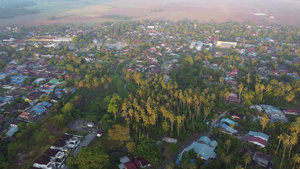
pixel 32 85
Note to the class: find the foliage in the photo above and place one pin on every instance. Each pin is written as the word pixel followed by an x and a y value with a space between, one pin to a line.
pixel 131 146
pixel 149 150
pixel 119 133
pixel 114 105
pixel 89 158
pixel 173 147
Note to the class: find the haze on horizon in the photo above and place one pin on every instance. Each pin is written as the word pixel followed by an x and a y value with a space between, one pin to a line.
pixel 44 12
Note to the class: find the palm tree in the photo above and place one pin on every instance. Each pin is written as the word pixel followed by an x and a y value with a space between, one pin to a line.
pixel 172 119
pixel 264 121
pixel 286 143
pixel 293 141
pixel 241 88
pixel 247 159
pixel 262 88
pixel 280 138
pixel 179 119
pixel 228 144
pixel 239 167
pixel 296 159
pixel 189 101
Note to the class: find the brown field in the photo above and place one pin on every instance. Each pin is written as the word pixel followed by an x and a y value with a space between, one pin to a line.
pixel 284 11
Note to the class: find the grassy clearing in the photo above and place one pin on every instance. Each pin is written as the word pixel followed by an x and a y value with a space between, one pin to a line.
pixel 108 145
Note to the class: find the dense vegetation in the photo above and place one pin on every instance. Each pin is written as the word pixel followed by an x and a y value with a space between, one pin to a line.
pixel 149 108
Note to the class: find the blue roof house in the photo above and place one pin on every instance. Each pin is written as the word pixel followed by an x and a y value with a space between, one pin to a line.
pixel 259 134
pixel 204 139
pixel 213 143
pixel 18 79
pixel 3 75
pixel 45 104
pixel 39 80
pixel 12 131
pixel 226 120
pixel 204 148
pixel 38 109
pixel 228 128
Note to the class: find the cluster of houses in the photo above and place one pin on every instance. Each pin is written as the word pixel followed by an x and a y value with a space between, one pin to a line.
pixel 27 100
pixel 55 156
pixel 274 113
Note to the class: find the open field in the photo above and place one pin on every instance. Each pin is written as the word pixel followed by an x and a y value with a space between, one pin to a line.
pixel 92 11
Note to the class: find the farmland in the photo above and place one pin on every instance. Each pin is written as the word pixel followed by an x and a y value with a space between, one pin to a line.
pixel 77 12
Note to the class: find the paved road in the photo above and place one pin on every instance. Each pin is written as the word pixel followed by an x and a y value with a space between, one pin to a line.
pixel 189 143
pixel 85 142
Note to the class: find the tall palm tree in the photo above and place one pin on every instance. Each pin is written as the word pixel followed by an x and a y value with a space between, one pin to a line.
pixel 241 88
pixel 247 159
pixel 179 120
pixel 286 143
pixel 262 88
pixel 293 142
pixel 296 159
pixel 264 121
pixel 280 138
pixel 189 102
pixel 172 118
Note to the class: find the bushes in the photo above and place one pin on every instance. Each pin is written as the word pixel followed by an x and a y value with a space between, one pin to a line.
pixel 173 147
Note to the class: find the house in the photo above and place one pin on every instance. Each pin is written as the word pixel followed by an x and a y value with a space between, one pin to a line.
pixel 56 155
pixel 233 98
pixel 38 109
pixel 205 151
pixel 123 160
pixel 256 140
pixel 235 116
pixel 67 76
pixel 15 123
pixel 33 167
pixel 130 165
pixel 44 162
pixel 204 147
pixel 170 140
pixel 291 111
pixel 24 115
pixel 228 121
pixel 228 128
pixel 59 144
pixel 141 162
pixel 11 131
pixel 135 163
pixel 225 44
pixel 20 107
pixel 263 160
pixel 53 81
pixel 33 96
pixel 259 135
